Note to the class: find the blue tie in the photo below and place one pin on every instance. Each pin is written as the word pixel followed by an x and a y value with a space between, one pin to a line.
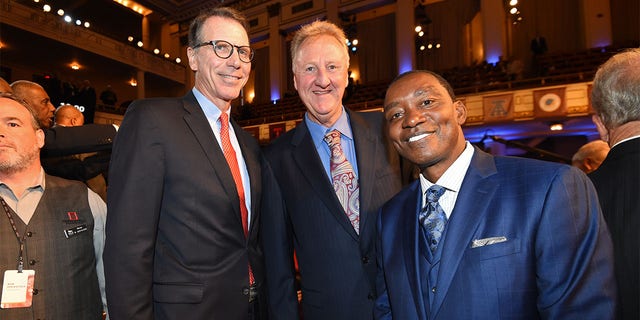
pixel 432 217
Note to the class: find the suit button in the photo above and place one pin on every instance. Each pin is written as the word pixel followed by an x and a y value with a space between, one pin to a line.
pixel 35 291
pixel 365 260
pixel 245 291
pixel 433 289
pixel 370 296
pixel 29 234
pixel 32 262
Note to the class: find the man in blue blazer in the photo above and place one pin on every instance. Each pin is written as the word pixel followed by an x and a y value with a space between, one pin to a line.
pixel 522 238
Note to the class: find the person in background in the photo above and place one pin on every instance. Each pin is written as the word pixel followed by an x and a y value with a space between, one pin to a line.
pixel 616 100
pixel 90 168
pixel 108 96
pixel 334 170
pixel 481 236
pixel 51 230
pixel 589 157
pixel 62 141
pixel 185 191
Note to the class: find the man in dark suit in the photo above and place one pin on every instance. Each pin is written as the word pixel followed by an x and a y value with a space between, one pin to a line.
pixel 484 237
pixel 182 242
pixel 615 99
pixel 328 221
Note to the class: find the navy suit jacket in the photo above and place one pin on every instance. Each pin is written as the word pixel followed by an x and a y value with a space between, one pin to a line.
pixel 557 261
pixel 618 183
pixel 175 245
pixel 337 266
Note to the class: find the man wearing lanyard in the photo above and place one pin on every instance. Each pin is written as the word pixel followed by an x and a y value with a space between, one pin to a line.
pixel 51 230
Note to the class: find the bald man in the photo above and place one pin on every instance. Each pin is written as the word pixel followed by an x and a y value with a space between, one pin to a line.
pixel 35 95
pixel 589 157
pixel 62 141
pixel 68 116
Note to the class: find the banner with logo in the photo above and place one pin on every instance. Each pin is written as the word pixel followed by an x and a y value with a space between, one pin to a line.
pixel 498 108
pixel 549 103
pixel 275 130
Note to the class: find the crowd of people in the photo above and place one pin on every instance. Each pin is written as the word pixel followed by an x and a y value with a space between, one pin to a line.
pixel 327 221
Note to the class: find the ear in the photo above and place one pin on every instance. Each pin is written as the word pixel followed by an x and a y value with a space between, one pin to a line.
pixel 295 83
pixel 40 138
pixel 191 55
pixel 602 130
pixel 461 112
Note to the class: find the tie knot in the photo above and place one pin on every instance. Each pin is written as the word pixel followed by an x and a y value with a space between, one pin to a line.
pixel 224 119
pixel 332 138
pixel 434 193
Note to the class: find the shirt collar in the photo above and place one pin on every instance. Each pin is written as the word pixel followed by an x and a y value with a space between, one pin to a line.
pixel 38 184
pixel 211 111
pixel 624 140
pixel 454 175
pixel 318 131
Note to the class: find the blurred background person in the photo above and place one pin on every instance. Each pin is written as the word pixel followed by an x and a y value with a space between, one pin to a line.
pixel 90 168
pixel 589 157
pixel 616 100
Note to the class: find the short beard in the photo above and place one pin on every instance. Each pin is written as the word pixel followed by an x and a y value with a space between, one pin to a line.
pixel 24 161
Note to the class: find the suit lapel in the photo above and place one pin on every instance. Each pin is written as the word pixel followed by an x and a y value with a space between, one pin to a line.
pixel 411 240
pixel 470 209
pixel 366 149
pixel 309 165
pixel 252 162
pixel 196 120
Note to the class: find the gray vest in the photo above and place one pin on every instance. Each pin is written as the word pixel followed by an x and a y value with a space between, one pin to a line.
pixel 66 283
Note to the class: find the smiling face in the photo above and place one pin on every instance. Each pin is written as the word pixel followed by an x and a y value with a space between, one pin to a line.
pixel 321 75
pixel 424 123
pixel 220 80
pixel 20 140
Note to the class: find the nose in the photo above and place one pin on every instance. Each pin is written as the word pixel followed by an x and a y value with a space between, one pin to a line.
pixel 413 118
pixel 322 78
pixel 234 60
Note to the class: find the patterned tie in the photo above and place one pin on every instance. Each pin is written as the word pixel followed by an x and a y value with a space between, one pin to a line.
pixel 344 179
pixel 432 217
pixel 230 155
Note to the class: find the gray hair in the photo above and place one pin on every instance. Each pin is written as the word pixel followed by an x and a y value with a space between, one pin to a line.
pixel 615 95
pixel 317 28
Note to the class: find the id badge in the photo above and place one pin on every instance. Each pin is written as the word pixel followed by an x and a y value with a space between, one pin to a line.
pixel 17 289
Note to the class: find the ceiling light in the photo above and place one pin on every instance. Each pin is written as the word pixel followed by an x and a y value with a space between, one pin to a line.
pixel 140 44
pixel 178 60
pixel 87 24
pixel 513 10
pixel 418 28
pixel 60 12
pixel 156 51
pixel 166 55
pixel 78 22
pixel 513 2
pixel 556 127
pixel 68 19
pixel 46 8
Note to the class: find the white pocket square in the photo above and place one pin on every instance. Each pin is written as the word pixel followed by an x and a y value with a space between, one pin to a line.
pixel 487 241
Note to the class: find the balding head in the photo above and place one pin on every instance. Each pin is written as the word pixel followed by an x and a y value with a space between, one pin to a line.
pixel 589 157
pixel 68 116
pixel 35 96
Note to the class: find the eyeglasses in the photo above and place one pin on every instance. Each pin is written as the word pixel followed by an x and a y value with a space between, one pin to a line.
pixel 224 50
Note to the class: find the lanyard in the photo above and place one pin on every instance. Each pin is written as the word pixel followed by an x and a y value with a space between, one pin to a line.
pixel 15 230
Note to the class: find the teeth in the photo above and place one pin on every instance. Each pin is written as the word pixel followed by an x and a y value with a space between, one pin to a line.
pixel 418 137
